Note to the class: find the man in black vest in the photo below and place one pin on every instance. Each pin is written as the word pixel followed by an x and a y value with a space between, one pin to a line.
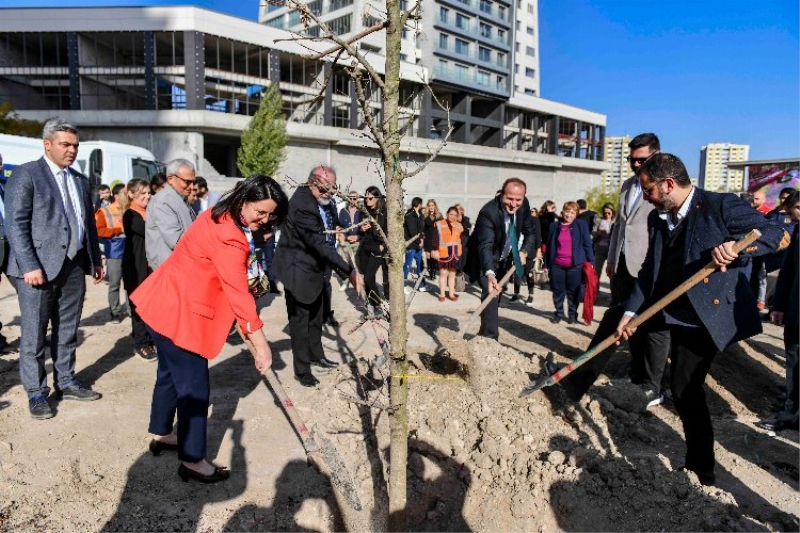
pixel 689 228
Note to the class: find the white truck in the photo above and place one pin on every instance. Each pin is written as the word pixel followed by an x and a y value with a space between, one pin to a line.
pixel 101 161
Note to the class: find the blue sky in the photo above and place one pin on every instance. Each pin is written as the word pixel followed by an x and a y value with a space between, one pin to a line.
pixel 692 71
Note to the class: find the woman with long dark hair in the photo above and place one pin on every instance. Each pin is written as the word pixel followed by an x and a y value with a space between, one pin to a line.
pixel 188 304
pixel 432 216
pixel 372 250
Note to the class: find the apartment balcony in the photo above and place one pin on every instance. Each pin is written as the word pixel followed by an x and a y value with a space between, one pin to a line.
pixel 472 78
pixel 500 65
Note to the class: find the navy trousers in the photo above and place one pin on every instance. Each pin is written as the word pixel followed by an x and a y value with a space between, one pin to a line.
pixel 182 387
pixel 566 282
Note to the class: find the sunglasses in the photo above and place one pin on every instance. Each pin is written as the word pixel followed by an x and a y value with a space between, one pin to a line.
pixel 635 160
pixel 187 182
pixel 649 190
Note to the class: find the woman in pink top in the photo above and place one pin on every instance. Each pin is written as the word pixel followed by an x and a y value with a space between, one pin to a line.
pixel 569 246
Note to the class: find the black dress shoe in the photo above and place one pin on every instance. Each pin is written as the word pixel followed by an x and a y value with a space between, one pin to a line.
pixel 705 478
pixel 325 363
pixel 157 446
pixel 307 380
pixel 186 473
pixel 555 319
pixel 571 320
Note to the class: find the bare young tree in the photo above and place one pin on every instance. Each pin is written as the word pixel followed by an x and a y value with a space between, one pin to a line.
pixel 384 129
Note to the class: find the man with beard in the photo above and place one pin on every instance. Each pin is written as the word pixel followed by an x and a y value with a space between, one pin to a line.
pixel 689 228
pixel 495 247
pixel 301 259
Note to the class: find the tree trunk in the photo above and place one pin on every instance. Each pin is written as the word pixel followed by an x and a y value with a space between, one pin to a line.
pixel 398 417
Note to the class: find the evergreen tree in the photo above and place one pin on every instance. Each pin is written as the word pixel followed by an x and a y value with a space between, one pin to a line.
pixel 11 124
pixel 264 141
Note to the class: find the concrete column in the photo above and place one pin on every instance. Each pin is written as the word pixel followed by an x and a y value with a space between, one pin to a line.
pixel 74 77
pixel 601 148
pixel 354 105
pixel 149 72
pixel 195 64
pixel 552 135
pixel 328 98
pixel 425 123
pixel 578 134
pixel 274 73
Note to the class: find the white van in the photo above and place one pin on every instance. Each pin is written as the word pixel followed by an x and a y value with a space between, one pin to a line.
pixel 101 161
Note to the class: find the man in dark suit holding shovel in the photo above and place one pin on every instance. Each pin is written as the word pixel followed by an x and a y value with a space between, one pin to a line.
pixel 689 228
pixel 496 248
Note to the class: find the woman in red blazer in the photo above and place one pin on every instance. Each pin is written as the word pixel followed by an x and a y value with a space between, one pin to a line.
pixel 188 305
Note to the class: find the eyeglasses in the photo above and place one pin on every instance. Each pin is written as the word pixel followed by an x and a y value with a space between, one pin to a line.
pixel 187 182
pixel 353 198
pixel 635 160
pixel 649 190
pixel 263 214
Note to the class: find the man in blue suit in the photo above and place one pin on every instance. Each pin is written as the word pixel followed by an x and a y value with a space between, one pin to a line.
pixel 689 228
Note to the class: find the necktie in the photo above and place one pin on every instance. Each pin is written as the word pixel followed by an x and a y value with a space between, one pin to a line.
pixel 72 219
pixel 512 231
pixel 330 238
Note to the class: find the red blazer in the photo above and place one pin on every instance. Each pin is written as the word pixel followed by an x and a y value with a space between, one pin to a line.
pixel 193 297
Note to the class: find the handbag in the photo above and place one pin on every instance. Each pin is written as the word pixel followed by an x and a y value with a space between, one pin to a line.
pixel 461 282
pixel 538 274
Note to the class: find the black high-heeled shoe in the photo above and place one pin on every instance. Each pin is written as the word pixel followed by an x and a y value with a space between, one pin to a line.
pixel 157 446
pixel 186 473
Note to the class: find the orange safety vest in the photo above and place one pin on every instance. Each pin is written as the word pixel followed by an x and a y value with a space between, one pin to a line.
pixel 449 240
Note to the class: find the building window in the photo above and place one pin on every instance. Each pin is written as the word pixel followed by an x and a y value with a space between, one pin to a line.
pixel 444 13
pixel 501 59
pixel 486 30
pixel 529 51
pixel 484 54
pixel 339 4
pixel 462 71
pixel 501 36
pixel 529 72
pixel 462 21
pixel 486 6
pixel 530 9
pixel 530 92
pixel 501 82
pixel 516 47
pixel 462 47
pixel 501 12
pixel 443 41
pixel 404 5
pixel 516 25
pixel 529 30
pixel 404 33
pixel 516 68
pixel 483 78
pixel 340 25
pixel 404 57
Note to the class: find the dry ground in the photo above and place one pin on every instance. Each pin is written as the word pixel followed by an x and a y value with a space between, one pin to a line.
pixel 481 458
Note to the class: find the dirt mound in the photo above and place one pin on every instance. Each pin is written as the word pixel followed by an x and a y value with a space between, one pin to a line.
pixel 483 459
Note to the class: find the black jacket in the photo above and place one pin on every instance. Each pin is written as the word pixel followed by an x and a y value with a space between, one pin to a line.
pixel 371 241
pixel 486 242
pixel 414 224
pixel 302 253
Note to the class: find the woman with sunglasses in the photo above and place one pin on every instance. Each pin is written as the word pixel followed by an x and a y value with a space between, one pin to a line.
pixel 371 252
pixel 188 305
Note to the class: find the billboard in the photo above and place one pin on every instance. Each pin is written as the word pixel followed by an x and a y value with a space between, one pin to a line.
pixel 772 178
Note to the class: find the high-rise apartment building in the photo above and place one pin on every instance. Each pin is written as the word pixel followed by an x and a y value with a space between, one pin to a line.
pixel 615 151
pixel 526 48
pixel 714 172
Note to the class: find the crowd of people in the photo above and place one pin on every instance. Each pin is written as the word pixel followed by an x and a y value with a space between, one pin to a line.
pixel 174 245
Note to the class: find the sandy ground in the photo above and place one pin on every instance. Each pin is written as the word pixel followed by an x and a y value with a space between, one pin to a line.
pixel 481 459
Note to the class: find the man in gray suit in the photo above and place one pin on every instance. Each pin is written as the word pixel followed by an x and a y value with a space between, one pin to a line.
pixel 53 245
pixel 168 214
pixel 626 253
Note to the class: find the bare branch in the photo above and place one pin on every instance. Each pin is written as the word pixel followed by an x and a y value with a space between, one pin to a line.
pixel 377 135
pixel 442 144
pixel 351 40
pixel 412 14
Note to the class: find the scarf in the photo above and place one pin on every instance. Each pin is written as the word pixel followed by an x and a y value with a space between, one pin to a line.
pixel 139 209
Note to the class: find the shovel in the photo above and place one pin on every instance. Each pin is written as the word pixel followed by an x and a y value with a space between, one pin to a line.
pixel 456 347
pixel 681 289
pixel 319 450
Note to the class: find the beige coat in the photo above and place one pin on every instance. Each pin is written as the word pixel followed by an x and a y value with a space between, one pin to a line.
pixel 630 229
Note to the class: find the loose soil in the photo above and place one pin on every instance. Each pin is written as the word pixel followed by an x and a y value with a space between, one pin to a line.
pixel 480 457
